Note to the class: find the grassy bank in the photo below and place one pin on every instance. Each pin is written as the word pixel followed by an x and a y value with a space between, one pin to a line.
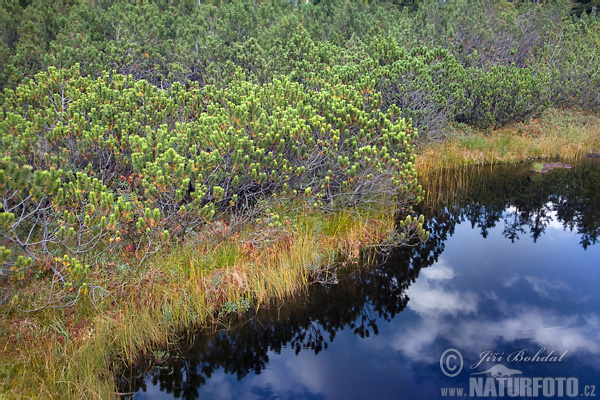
pixel 73 352
pixel 565 134
pixel 126 147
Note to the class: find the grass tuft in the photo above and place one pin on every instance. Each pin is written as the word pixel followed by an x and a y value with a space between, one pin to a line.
pixel 565 134
pixel 75 352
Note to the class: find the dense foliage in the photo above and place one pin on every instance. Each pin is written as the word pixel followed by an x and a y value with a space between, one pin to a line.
pixel 124 124
pixel 552 54
pixel 93 167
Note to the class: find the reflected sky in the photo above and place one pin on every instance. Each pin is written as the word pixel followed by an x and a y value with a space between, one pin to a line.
pixel 479 290
pixel 497 292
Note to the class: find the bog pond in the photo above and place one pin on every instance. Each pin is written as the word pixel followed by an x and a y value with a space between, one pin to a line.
pixel 503 300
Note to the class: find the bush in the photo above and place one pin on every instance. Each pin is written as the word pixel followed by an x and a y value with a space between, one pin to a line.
pixel 571 61
pixel 427 84
pixel 92 167
pixel 166 42
pixel 502 95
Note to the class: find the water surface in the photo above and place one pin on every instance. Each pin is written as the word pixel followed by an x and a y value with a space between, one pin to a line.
pixel 511 271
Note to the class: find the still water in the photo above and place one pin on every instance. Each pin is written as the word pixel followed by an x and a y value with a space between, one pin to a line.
pixel 508 281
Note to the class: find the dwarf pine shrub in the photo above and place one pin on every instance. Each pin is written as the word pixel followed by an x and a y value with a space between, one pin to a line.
pixel 502 94
pixel 92 166
pixel 215 108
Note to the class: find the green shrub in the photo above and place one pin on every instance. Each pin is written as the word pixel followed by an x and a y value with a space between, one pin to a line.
pixel 571 61
pixel 427 84
pixel 502 95
pixel 91 166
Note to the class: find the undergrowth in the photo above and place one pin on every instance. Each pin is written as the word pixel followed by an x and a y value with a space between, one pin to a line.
pixel 74 352
pixel 565 134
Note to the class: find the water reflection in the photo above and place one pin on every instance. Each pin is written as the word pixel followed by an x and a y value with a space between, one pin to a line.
pixel 486 318
pixel 526 203
pixel 487 288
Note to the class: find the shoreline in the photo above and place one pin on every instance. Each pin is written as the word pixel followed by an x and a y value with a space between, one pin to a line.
pixel 556 134
pixel 188 285
pixel 75 351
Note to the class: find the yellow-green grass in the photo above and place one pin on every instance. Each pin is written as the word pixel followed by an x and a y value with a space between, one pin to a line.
pixel 74 352
pixel 566 134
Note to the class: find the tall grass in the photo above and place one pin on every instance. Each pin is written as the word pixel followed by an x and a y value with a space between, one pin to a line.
pixel 565 134
pixel 75 352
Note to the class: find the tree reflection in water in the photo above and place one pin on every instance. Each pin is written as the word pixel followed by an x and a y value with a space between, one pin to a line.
pixel 525 203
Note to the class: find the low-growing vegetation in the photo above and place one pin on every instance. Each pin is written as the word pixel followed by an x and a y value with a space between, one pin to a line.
pixel 170 164
pixel 74 352
pixel 97 170
pixel 556 134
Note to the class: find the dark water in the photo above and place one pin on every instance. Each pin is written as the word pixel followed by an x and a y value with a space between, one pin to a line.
pixel 512 269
